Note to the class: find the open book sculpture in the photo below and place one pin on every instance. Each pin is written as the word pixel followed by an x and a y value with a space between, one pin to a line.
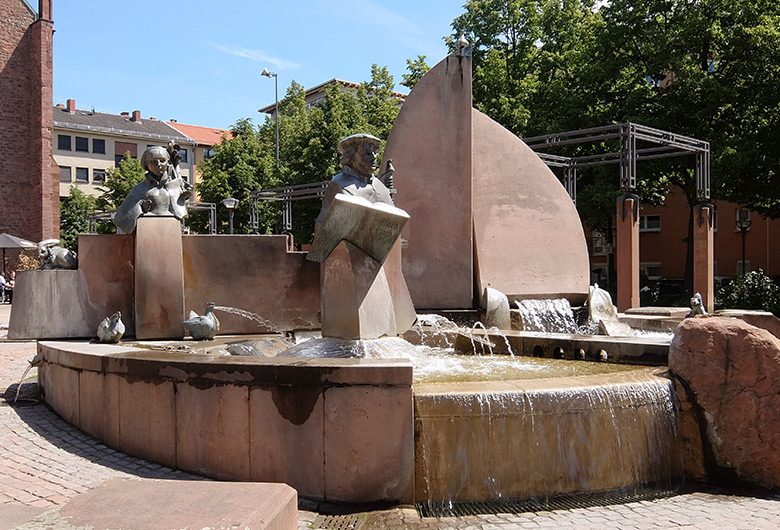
pixel 373 227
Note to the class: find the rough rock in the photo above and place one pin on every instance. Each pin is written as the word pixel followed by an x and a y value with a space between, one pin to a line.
pixel 730 371
pixel 760 319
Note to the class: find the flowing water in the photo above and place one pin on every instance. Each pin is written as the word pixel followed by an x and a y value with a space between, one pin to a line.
pixel 264 322
pixel 552 316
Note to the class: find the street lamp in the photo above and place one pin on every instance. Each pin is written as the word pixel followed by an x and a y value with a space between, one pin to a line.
pixel 230 203
pixel 269 74
pixel 743 225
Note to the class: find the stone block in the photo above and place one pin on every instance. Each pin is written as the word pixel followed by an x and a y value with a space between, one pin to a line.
pixel 62 391
pixel 106 263
pixel 519 207
pixel 280 286
pixel 286 433
pixel 355 296
pixel 369 444
pixel 99 406
pixel 134 503
pixel 147 420
pixel 435 168
pixel 212 430
pixel 159 279
pixel 50 304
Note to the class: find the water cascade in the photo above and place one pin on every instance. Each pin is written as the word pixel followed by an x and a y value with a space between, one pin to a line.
pixel 551 316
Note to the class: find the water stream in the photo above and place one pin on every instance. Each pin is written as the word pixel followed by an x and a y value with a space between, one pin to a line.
pixel 261 321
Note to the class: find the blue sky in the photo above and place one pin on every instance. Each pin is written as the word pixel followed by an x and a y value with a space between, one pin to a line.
pixel 200 62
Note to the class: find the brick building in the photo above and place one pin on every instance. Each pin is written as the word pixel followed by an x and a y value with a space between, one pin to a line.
pixel 29 192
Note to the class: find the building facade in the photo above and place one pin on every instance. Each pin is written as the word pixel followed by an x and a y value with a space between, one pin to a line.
pixel 86 143
pixel 663 233
pixel 29 199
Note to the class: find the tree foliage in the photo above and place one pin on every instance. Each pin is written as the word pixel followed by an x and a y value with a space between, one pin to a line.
pixel 119 181
pixel 75 210
pixel 416 68
pixel 705 68
pixel 308 140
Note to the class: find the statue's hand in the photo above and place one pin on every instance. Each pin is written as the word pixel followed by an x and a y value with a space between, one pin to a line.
pixel 146 204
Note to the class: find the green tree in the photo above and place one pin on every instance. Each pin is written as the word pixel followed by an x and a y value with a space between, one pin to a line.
pixel 239 165
pixel 308 140
pixel 416 68
pixel 119 181
pixel 75 210
pixel 705 68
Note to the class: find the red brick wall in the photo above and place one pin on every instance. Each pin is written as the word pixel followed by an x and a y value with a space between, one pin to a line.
pixel 29 195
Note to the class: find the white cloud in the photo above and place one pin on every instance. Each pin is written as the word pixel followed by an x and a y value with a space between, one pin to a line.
pixel 258 56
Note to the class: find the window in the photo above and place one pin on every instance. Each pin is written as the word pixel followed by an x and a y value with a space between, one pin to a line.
pixel 82 144
pixel 652 270
pixel 65 173
pixel 208 152
pixel 98 146
pixel 63 142
pixel 120 148
pixel 650 223
pixel 743 267
pixel 183 154
pixel 82 174
pixel 98 175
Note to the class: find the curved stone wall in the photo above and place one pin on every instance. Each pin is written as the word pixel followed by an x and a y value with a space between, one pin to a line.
pixel 351 430
pixel 337 430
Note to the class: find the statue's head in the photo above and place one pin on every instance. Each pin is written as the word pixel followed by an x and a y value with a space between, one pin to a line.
pixel 155 160
pixel 358 151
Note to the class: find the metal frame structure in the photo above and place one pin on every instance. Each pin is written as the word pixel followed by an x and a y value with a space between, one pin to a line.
pixel 286 194
pixel 212 209
pixel 210 206
pixel 667 144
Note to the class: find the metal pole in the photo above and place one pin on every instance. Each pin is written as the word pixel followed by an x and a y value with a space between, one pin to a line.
pixel 230 221
pixel 744 233
pixel 276 97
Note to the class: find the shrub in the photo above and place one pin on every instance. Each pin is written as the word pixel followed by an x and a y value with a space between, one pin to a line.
pixel 754 290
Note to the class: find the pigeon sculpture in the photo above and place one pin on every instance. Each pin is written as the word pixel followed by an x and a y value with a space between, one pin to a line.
pixel 111 328
pixel 202 327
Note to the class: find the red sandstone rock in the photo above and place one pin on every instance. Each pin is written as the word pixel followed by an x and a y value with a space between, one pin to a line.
pixel 733 372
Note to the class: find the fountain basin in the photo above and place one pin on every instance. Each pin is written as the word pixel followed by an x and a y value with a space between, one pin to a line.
pixel 360 430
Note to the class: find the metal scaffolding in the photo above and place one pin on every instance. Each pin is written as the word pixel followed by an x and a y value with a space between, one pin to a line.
pixel 664 145
pixel 285 194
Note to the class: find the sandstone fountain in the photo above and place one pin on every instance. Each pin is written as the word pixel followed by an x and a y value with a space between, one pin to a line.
pixel 360 429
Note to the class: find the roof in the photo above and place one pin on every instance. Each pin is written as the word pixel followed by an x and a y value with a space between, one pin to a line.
pixel 206 136
pixel 313 91
pixel 100 122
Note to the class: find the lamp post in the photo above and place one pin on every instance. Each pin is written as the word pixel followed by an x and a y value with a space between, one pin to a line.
pixel 743 225
pixel 230 203
pixel 269 74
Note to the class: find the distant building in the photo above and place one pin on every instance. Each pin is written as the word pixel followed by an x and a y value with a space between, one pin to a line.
pixel 317 93
pixel 29 203
pixel 663 232
pixel 86 143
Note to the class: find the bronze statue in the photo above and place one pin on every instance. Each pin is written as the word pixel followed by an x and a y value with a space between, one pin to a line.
pixel 162 192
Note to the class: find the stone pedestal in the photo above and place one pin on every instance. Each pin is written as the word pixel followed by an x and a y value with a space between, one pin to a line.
pixel 703 249
pixel 627 255
pixel 356 298
pixel 159 279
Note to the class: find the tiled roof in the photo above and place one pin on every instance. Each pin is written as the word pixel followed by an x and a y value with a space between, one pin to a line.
pixel 99 122
pixel 207 136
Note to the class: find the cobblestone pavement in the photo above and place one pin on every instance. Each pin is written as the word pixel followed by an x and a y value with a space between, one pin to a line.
pixel 44 462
